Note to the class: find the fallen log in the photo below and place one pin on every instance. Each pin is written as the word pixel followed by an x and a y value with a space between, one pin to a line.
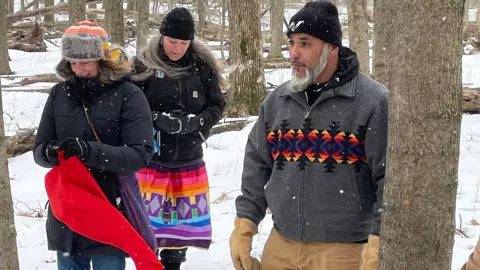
pixel 471 100
pixel 28 41
pixel 20 143
pixel 62 25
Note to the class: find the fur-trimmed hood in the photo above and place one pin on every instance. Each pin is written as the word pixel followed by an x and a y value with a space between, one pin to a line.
pixel 113 69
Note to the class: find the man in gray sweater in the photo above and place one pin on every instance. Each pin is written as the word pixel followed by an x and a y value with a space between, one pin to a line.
pixel 315 157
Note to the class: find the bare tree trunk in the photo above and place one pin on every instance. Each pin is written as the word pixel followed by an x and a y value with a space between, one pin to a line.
pixel 201 7
pixel 106 17
pixel 358 32
pixel 8 234
pixel 115 23
pixel 423 131
pixel 170 5
pixel 132 5
pixel 76 10
pixel 49 17
pixel 276 26
pixel 10 9
pixel 142 24
pixel 36 6
pixel 245 49
pixel 4 65
pixel 92 17
pixel 22 4
pixel 222 35
pixel 10 6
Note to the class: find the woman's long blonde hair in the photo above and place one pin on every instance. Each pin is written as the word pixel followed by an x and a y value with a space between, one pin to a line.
pixel 151 56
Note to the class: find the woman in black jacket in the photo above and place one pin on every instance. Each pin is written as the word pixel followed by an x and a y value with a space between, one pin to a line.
pixel 95 83
pixel 182 81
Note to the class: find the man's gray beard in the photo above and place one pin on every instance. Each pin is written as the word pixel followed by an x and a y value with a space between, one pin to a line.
pixel 299 84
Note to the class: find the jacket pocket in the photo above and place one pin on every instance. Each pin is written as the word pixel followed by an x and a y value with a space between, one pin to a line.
pixel 354 180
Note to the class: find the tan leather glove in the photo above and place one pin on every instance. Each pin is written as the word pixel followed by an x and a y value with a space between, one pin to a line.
pixel 473 262
pixel 241 245
pixel 370 257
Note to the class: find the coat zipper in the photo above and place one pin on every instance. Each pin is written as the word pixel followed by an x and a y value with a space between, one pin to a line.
pixel 180 102
pixel 308 120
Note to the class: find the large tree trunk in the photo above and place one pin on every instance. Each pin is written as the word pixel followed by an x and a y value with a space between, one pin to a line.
pixel 423 138
pixel 201 7
pixel 142 24
pixel 358 32
pixel 276 26
pixel 4 65
pixel 245 49
pixel 49 17
pixel 132 5
pixel 76 10
pixel 115 23
pixel 8 235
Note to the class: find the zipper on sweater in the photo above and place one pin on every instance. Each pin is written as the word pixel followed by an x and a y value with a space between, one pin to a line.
pixel 302 222
pixel 302 180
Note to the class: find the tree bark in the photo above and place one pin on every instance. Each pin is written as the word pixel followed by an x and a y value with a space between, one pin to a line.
pixel 10 9
pixel 222 35
pixel 276 26
pixel 76 10
pixel 8 235
pixel 132 5
pixel 114 13
pixel 142 24
pixel 245 49
pixel 49 17
pixel 358 32
pixel 424 117
pixel 201 7
pixel 4 65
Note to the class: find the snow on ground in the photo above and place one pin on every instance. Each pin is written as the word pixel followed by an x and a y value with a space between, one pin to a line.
pixel 224 158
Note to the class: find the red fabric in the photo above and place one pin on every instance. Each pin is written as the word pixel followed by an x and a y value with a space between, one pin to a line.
pixel 77 200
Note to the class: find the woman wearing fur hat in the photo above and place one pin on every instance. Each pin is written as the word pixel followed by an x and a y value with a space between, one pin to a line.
pixel 114 138
pixel 181 79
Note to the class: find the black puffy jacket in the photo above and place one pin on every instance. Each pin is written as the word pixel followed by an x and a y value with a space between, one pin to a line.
pixel 121 117
pixel 197 93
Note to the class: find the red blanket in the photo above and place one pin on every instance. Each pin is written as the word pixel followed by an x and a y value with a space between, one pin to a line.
pixel 77 200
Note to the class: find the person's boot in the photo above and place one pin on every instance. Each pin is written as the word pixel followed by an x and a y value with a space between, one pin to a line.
pixel 171 266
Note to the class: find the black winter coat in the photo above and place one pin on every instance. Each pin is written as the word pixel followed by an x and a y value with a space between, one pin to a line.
pixel 197 93
pixel 121 117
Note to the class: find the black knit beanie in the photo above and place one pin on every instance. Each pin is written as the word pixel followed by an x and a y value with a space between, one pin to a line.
pixel 178 24
pixel 319 19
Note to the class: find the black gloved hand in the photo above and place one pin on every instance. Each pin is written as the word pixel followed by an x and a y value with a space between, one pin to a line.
pixel 176 122
pixel 74 147
pixel 51 153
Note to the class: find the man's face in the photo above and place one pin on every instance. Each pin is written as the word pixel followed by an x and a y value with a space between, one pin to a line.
pixel 305 51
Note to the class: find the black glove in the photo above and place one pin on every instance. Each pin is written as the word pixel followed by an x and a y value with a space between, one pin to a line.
pixel 176 122
pixel 51 153
pixel 74 147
